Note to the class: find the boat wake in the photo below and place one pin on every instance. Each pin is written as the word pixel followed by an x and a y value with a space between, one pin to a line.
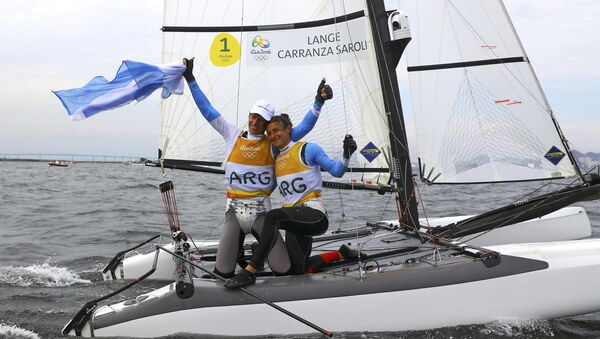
pixel 517 328
pixel 44 275
pixel 13 331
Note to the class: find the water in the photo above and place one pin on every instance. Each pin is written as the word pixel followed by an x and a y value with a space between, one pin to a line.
pixel 60 226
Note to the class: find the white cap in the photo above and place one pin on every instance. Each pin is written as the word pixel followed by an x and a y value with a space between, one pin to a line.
pixel 263 108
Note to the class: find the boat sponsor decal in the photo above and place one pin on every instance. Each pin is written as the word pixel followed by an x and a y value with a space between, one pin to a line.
pixel 225 50
pixel 370 151
pixel 554 155
pixel 309 46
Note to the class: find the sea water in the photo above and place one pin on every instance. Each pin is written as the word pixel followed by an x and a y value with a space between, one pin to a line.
pixel 59 226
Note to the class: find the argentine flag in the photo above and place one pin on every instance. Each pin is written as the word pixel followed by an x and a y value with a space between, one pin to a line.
pixel 134 81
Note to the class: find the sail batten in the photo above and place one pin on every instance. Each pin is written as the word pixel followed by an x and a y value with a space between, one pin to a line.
pixel 465 64
pixel 275 27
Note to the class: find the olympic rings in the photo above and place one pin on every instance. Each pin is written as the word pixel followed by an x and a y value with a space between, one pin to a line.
pixel 261 58
pixel 249 155
pixel 281 164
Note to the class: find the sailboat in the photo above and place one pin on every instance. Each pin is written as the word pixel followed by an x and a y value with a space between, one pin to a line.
pixel 283 46
pixel 518 143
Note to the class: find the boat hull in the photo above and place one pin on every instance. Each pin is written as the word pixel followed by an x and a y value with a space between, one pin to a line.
pixel 568 223
pixel 533 281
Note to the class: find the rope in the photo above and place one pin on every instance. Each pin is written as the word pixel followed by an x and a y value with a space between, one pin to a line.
pixel 239 78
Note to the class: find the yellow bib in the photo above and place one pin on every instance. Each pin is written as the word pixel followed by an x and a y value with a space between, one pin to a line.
pixel 249 169
pixel 297 182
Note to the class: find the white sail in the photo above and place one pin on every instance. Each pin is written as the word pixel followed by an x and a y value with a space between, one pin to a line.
pixel 271 59
pixel 480 113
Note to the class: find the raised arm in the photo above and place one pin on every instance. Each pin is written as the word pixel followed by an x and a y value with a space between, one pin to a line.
pixel 315 155
pixel 214 118
pixel 324 92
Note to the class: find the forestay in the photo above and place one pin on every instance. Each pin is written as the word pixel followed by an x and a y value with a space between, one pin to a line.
pixel 480 113
pixel 277 51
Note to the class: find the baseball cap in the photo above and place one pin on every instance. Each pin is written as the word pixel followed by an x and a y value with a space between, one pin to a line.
pixel 263 108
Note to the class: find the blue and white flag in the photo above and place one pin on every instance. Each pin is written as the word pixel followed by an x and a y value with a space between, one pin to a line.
pixel 134 81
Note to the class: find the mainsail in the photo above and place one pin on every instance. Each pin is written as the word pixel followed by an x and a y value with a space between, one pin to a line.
pixel 480 113
pixel 278 51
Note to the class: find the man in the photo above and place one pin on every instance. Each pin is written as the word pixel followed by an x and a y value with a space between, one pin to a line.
pixel 249 173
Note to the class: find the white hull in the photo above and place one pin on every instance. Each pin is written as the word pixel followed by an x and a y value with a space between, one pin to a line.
pixel 567 287
pixel 568 223
pixel 136 265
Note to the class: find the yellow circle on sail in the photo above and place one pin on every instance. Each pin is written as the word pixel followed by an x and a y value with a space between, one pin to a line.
pixel 224 50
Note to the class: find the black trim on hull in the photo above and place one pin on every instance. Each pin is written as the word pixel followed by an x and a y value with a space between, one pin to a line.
pixel 307 24
pixel 209 293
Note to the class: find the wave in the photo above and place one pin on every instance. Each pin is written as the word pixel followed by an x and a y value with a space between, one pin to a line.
pixel 115 210
pixel 141 186
pixel 518 328
pixel 13 331
pixel 43 275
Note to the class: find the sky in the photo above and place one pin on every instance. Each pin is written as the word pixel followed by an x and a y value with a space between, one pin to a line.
pixel 53 45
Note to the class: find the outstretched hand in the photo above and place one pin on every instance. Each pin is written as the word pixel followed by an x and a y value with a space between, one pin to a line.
pixel 324 92
pixel 349 146
pixel 189 67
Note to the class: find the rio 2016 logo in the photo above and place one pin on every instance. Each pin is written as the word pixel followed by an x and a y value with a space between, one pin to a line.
pixel 261 42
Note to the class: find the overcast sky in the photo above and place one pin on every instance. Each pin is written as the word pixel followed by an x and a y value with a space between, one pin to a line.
pixel 52 45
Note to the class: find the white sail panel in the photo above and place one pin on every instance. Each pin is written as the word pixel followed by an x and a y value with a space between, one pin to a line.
pixel 479 111
pixel 288 77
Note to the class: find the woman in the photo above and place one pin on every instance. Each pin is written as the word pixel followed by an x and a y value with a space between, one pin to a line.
pixel 298 172
pixel 249 180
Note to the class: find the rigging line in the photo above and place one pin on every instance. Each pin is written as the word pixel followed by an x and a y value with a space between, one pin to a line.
pixel 478 115
pixel 344 101
pixel 555 123
pixel 266 301
pixel 389 80
pixel 342 207
pixel 546 108
pixel 382 115
pixel 173 119
pixel 208 90
pixel 164 106
pixel 239 78
pixel 339 57
pixel 385 208
pixel 436 253
pixel 507 222
pixel 549 109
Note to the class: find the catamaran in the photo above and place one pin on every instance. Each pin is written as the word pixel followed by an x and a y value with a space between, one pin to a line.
pixel 482 118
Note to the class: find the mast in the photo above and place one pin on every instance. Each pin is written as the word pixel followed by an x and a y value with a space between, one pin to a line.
pixel 388 53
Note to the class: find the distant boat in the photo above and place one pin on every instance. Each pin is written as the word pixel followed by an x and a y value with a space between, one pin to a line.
pixel 134 163
pixel 58 163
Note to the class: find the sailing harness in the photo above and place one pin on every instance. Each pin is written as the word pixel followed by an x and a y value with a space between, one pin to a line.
pixel 247 210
